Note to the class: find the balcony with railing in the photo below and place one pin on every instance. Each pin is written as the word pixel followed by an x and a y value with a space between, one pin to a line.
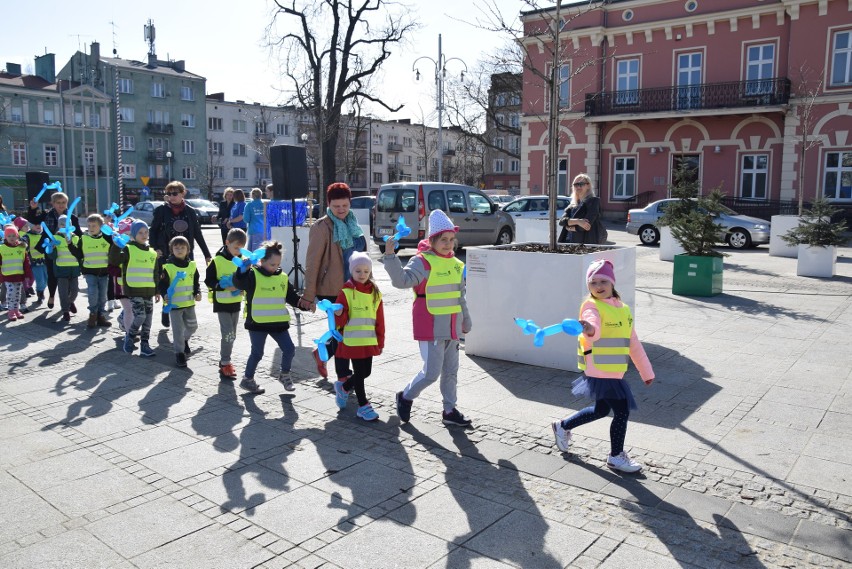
pixel 449 152
pixel 683 99
pixel 394 147
pixel 160 128
pixel 157 156
pixel 90 170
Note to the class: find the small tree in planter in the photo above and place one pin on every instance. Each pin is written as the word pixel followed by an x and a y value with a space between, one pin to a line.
pixel 817 238
pixel 691 219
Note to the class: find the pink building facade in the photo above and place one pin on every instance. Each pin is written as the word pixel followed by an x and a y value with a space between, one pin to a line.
pixel 724 85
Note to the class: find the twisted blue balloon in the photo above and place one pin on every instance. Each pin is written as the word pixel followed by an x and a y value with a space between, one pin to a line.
pixel 569 326
pixel 69 228
pixel 44 187
pixel 6 219
pixel 329 309
pixel 179 276
pixel 248 259
pixel 402 230
pixel 52 240
pixel 227 282
pixel 123 215
pixel 111 211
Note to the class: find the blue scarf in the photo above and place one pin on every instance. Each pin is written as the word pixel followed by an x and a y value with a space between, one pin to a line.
pixel 345 232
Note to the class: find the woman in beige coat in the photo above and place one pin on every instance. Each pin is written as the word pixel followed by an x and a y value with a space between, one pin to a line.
pixel 331 242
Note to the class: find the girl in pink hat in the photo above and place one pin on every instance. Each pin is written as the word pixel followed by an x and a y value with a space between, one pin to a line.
pixel 440 314
pixel 608 341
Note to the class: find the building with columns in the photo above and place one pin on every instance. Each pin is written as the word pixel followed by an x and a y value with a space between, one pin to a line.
pixel 740 90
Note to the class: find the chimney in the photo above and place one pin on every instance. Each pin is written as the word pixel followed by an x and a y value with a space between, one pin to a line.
pixel 45 67
pixel 152 60
pixel 95 53
pixel 179 65
pixel 13 68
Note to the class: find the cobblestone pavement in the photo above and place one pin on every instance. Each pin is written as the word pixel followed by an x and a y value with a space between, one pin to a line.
pixel 110 460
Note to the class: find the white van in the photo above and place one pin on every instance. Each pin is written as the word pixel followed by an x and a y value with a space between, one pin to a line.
pixel 480 221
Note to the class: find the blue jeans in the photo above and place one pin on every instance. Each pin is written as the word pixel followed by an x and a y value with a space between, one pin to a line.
pixel 40 277
pixel 255 240
pixel 96 288
pixel 258 339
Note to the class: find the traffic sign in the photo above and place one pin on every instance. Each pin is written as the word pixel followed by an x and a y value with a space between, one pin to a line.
pixel 144 180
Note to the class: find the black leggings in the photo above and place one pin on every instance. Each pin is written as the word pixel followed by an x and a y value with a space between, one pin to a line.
pixel 362 367
pixel 51 278
pixel 601 408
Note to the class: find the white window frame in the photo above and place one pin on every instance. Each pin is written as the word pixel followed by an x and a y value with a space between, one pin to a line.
pixel 19 153
pixel 627 81
pixel 238 125
pixel 688 94
pixel 841 59
pixel 127 114
pixel 187 146
pixel 215 148
pixel 51 155
pixel 515 144
pixel 187 93
pixel 377 158
pixel 240 149
pixel 564 79
pixel 218 172
pixel 125 86
pixel 515 120
pixel 754 172
pixel 514 166
pixel 282 129
pixel 623 177
pixel 839 172
pixel 240 173
pixel 377 177
pixel 94 118
pixel 187 120
pixel 562 177
pixel 78 118
pixel 158 90
pixel 188 172
pixel 760 68
pixel 128 142
pixel 499 165
pixel 128 171
pixel 214 123
pixel 52 113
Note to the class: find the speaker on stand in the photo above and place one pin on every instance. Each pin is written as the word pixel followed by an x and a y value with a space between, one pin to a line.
pixel 35 182
pixel 290 182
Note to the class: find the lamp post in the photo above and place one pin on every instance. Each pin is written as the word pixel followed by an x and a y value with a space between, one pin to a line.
pixel 169 173
pixel 440 74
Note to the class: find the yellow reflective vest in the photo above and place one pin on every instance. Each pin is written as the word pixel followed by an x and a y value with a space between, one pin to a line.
pixel 182 297
pixel 444 285
pixel 611 352
pixel 95 250
pixel 64 256
pixel 224 267
pixel 139 272
pixel 13 260
pixel 35 254
pixel 268 304
pixel 360 329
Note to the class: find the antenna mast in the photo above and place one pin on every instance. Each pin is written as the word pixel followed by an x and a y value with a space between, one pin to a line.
pixel 150 35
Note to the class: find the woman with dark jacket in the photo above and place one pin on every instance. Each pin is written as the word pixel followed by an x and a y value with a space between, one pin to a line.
pixel 224 215
pixel 59 203
pixel 176 217
pixel 581 222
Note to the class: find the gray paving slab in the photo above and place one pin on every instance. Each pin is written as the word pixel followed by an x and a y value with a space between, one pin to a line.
pixel 642 491
pixel 17 425
pixel 58 470
pixel 462 557
pixel 148 526
pixel 384 544
pixel 210 547
pixel 308 462
pixel 529 540
pixel 26 514
pixel 629 557
pixel 244 488
pixel 181 463
pixel 831 541
pixel 536 463
pixel 367 484
pixel 582 475
pixel 31 447
pixel 77 548
pixel 150 442
pixel 449 513
pixel 765 523
pixel 491 451
pixel 694 505
pixel 98 491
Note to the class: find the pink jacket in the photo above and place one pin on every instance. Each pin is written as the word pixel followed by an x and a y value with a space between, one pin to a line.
pixel 590 314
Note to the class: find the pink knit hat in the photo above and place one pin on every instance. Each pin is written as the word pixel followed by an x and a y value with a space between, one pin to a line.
pixel 10 230
pixel 20 223
pixel 601 269
pixel 357 258
pixel 124 225
pixel 440 223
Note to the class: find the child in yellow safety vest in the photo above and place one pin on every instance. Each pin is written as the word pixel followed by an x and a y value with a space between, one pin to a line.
pixel 138 262
pixel 14 269
pixel 181 294
pixel 227 301
pixel 606 345
pixel 362 320
pixel 267 289
pixel 37 239
pixel 93 254
pixel 66 269
pixel 440 314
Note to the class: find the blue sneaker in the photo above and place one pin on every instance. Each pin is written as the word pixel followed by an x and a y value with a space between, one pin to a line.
pixel 128 344
pixel 341 395
pixel 367 413
pixel 403 407
pixel 145 351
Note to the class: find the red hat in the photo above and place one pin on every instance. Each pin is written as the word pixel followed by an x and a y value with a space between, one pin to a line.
pixel 20 222
pixel 601 269
pixel 338 191
pixel 9 231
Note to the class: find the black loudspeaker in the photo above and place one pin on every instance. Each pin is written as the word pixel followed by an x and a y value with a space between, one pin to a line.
pixel 35 182
pixel 289 171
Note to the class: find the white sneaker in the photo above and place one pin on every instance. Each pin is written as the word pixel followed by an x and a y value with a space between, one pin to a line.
pixel 286 381
pixel 623 463
pixel 563 437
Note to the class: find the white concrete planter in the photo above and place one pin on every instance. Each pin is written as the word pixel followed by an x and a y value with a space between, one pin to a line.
pixel 816 261
pixel 544 287
pixel 532 231
pixel 668 246
pixel 285 236
pixel 780 225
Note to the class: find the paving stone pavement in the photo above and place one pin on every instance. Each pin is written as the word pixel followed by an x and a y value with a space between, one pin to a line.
pixel 110 460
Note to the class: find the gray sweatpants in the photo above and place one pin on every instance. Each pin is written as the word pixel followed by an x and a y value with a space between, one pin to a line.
pixel 184 325
pixel 440 358
pixel 228 322
pixel 68 289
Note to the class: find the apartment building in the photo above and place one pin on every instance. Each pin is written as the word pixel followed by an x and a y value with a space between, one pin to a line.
pixel 503 130
pixel 63 128
pixel 746 92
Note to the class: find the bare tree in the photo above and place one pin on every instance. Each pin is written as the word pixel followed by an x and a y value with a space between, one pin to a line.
pixel 352 146
pixel 331 58
pixel 806 95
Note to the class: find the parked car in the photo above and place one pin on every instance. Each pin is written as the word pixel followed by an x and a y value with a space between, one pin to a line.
pixel 535 207
pixel 368 203
pixel 145 211
pixel 741 231
pixel 207 210
pixel 502 200
pixel 480 221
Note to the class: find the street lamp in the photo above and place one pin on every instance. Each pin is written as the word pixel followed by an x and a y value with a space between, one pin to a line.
pixel 440 74
pixel 169 173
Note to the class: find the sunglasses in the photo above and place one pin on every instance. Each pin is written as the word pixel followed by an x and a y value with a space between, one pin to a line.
pixel 580 184
pixel 172 193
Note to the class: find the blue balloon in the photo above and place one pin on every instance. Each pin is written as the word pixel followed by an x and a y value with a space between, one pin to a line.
pixel 123 215
pixel 106 230
pixel 569 326
pixel 111 211
pixel 329 308
pixel 121 241
pixel 44 187
pixel 402 230
pixel 248 258
pixel 6 219
pixel 179 276
pixel 51 239
pixel 228 281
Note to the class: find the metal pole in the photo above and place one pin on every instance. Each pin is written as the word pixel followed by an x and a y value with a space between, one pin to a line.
pixel 439 83
pixel 554 126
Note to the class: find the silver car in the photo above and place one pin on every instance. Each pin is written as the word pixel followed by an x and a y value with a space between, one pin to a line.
pixel 145 211
pixel 741 231
pixel 535 207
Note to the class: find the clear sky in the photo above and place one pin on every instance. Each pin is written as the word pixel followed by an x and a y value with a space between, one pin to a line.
pixel 224 42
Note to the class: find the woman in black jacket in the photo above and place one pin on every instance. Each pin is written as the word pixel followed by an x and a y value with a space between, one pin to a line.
pixel 176 217
pixel 581 222
pixel 224 215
